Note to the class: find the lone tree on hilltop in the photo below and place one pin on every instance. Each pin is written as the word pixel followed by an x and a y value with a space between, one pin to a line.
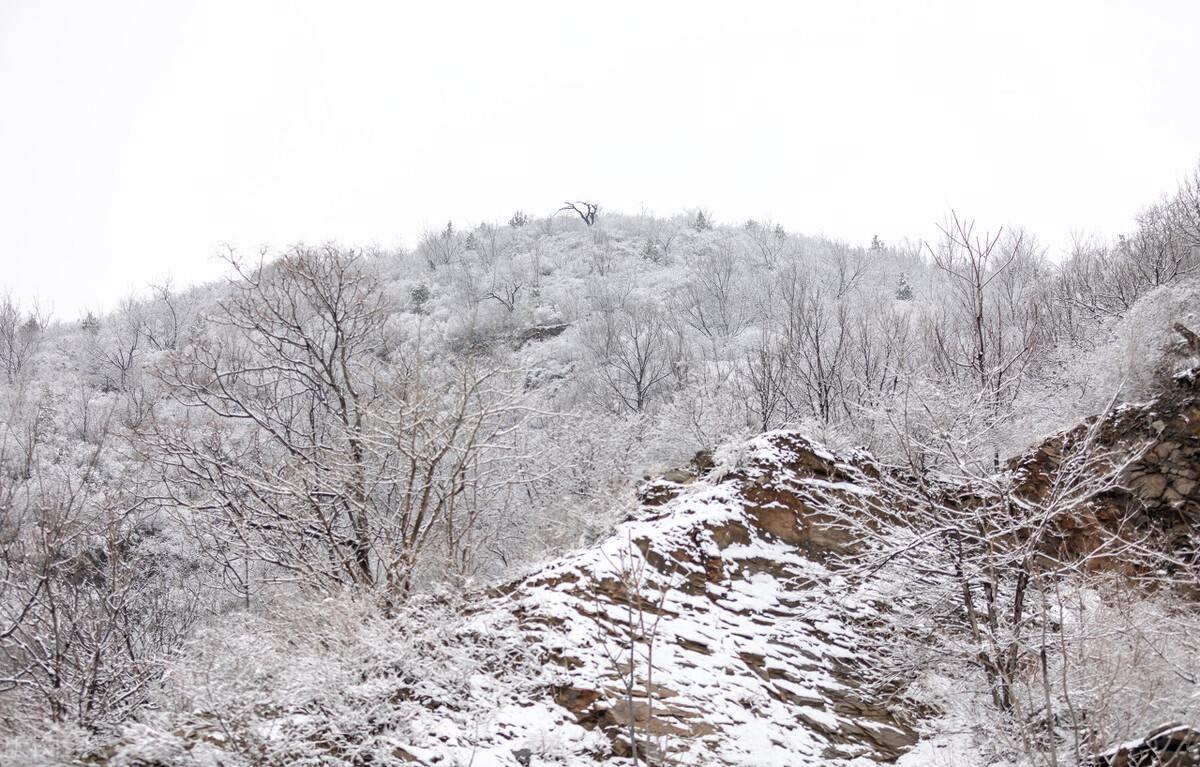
pixel 587 212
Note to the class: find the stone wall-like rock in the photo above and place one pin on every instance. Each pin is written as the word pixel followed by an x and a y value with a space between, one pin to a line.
pixel 1158 497
pixel 724 584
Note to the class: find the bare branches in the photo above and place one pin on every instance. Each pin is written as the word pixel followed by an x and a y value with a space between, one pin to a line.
pixel 981 560
pixel 585 210
pixel 321 446
pixel 635 352
pixel 633 655
pixel 20 334
pixel 505 293
pixel 86 610
pixel 1105 279
pixel 972 265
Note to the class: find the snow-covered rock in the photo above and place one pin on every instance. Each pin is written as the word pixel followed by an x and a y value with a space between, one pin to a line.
pixel 745 643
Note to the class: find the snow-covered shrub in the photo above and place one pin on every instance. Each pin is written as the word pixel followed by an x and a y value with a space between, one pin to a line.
pixel 333 681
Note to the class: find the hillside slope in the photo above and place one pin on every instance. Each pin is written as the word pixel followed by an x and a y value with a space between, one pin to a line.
pixel 718 625
pixel 746 649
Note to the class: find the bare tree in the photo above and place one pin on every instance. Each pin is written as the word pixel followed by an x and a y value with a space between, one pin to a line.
pixel 659 236
pixel 769 239
pixel 585 210
pixel 632 655
pixel 505 293
pixel 978 338
pixel 441 248
pixel 90 605
pixel 119 344
pixel 881 349
pixel 818 333
pixel 314 443
pixel 1163 247
pixel 713 300
pixel 634 351
pixel 763 379
pixel 167 317
pixel 847 267
pixel 20 334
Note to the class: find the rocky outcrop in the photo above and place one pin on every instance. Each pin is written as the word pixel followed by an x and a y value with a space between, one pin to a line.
pixel 706 622
pixel 730 588
pixel 1157 497
pixel 1174 745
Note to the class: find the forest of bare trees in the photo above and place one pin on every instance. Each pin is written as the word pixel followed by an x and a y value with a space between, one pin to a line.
pixel 333 420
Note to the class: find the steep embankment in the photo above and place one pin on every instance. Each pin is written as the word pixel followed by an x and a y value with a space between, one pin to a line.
pixel 749 646
pixel 710 620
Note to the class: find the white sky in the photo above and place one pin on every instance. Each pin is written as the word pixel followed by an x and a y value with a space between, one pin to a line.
pixel 137 137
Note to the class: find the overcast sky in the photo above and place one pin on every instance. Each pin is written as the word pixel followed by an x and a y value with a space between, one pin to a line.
pixel 135 138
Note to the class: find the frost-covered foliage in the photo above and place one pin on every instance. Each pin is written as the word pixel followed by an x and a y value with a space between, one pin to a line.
pixel 752 665
pixel 1051 602
pixel 330 681
pixel 335 681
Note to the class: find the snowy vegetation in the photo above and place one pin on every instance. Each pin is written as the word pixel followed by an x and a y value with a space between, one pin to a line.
pixel 220 500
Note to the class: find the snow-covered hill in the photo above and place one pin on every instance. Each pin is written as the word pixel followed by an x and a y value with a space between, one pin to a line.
pixel 785 603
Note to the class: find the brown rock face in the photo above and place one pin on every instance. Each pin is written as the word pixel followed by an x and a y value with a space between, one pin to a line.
pixel 699 624
pixel 1159 493
pixel 1171 746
